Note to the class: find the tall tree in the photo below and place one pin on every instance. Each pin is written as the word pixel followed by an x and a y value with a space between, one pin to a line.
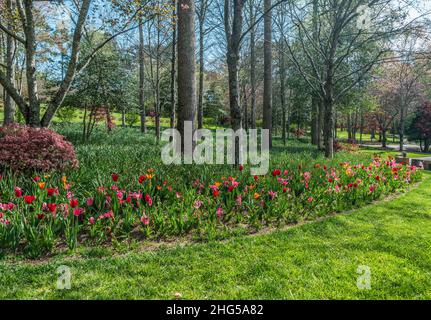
pixel 233 23
pixel 281 30
pixel 201 14
pixel 142 76
pixel 252 20
pixel 9 105
pixel 186 65
pixel 173 63
pixel 316 105
pixel 341 40
pixel 30 106
pixel 267 70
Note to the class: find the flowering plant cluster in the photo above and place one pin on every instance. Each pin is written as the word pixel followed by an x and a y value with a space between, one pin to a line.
pixel 47 212
pixel 28 149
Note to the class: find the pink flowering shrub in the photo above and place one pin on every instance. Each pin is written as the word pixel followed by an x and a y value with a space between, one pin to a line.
pixel 27 149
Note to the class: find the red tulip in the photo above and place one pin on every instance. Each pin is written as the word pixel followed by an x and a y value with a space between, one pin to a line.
pixel 115 177
pixel 90 202
pixel 148 200
pixel 276 172
pixel 18 192
pixel 241 167
pixel 142 179
pixel 51 191
pixel 52 207
pixel 78 211
pixel 73 203
pixel 29 199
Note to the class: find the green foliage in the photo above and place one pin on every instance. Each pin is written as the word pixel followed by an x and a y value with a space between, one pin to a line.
pixel 133 195
pixel 313 261
pixel 131 119
pixel 66 114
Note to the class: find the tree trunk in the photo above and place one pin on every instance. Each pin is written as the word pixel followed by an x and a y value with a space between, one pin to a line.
pixel 142 77
pixel 283 92
pixel 349 126
pixel 244 102
pixel 320 125
pixel 384 139
pixel 315 125
pixel 158 61
pixel 31 110
pixel 329 99
pixel 233 36
pixel 72 67
pixel 328 128
pixel 253 67
pixel 33 118
pixel 186 65
pixel 201 64
pixel 173 67
pixel 123 118
pixel 402 129
pixel 355 125
pixel 201 80
pixel 267 70
pixel 9 106
pixel 315 121
pixel 334 128
pixel 235 109
pixel 108 119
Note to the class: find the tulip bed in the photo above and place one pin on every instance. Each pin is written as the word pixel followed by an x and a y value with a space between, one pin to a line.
pixel 41 213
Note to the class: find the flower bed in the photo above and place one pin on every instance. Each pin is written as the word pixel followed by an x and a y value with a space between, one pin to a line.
pixel 46 213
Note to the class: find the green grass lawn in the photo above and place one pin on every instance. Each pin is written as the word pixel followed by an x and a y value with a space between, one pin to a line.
pixel 78 117
pixel 393 153
pixel 366 137
pixel 318 260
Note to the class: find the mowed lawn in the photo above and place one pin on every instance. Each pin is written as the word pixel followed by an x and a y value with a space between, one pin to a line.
pixel 318 260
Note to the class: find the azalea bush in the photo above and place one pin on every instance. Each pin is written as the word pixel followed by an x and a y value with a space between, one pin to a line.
pixel 27 149
pixel 45 212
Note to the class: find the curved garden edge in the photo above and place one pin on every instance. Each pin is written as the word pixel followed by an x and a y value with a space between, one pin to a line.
pixel 182 241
